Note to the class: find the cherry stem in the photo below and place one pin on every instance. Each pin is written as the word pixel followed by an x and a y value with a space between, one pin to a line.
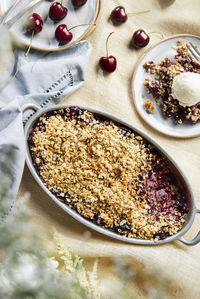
pixel 139 12
pixel 159 33
pixel 80 25
pixel 107 43
pixel 30 45
pixel 61 3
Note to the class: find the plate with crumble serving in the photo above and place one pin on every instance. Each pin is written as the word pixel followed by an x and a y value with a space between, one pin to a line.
pixel 152 83
pixel 45 40
pixel 109 175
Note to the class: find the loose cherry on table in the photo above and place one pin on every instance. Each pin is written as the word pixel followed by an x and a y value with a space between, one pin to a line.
pixel 108 63
pixel 119 15
pixel 34 25
pixel 78 3
pixel 140 39
pixel 57 11
pixel 64 35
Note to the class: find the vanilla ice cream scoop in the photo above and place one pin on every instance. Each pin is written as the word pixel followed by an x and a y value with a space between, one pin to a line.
pixel 186 88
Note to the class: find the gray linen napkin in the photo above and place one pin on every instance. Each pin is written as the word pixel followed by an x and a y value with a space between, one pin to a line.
pixel 43 79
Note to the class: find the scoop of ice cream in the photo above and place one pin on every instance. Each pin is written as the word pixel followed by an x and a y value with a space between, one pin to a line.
pixel 186 88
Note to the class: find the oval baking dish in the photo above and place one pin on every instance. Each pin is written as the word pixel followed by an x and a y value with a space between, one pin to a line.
pixel 161 207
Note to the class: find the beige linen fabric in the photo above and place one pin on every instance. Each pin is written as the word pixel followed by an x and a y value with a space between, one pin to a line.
pixel 112 93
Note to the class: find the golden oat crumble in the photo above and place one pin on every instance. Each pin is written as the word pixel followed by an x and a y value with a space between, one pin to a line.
pixel 149 106
pixel 100 172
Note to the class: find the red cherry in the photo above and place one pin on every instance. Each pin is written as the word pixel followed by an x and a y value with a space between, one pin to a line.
pixel 108 63
pixel 140 39
pixel 63 35
pixel 57 11
pixel 78 3
pixel 118 15
pixel 34 23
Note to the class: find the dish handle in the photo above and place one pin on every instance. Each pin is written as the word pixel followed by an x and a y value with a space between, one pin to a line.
pixel 30 106
pixel 193 241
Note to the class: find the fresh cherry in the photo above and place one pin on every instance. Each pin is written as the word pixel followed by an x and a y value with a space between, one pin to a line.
pixel 119 15
pixel 57 11
pixel 108 63
pixel 34 23
pixel 78 3
pixel 140 39
pixel 63 35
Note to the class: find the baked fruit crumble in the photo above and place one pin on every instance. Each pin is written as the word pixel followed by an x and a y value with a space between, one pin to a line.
pixel 107 173
pixel 160 86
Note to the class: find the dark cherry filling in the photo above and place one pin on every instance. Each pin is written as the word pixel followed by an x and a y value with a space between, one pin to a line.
pixel 162 194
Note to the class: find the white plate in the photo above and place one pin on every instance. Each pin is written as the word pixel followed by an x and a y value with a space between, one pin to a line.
pixel 45 40
pixel 157 121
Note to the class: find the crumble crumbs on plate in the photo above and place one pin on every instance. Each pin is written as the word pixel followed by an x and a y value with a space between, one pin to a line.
pixel 149 106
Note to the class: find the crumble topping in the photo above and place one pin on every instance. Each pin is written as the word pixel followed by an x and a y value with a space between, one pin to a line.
pixel 107 173
pixel 149 106
pixel 160 86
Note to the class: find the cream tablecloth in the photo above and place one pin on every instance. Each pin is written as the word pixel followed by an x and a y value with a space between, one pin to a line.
pixel 112 93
